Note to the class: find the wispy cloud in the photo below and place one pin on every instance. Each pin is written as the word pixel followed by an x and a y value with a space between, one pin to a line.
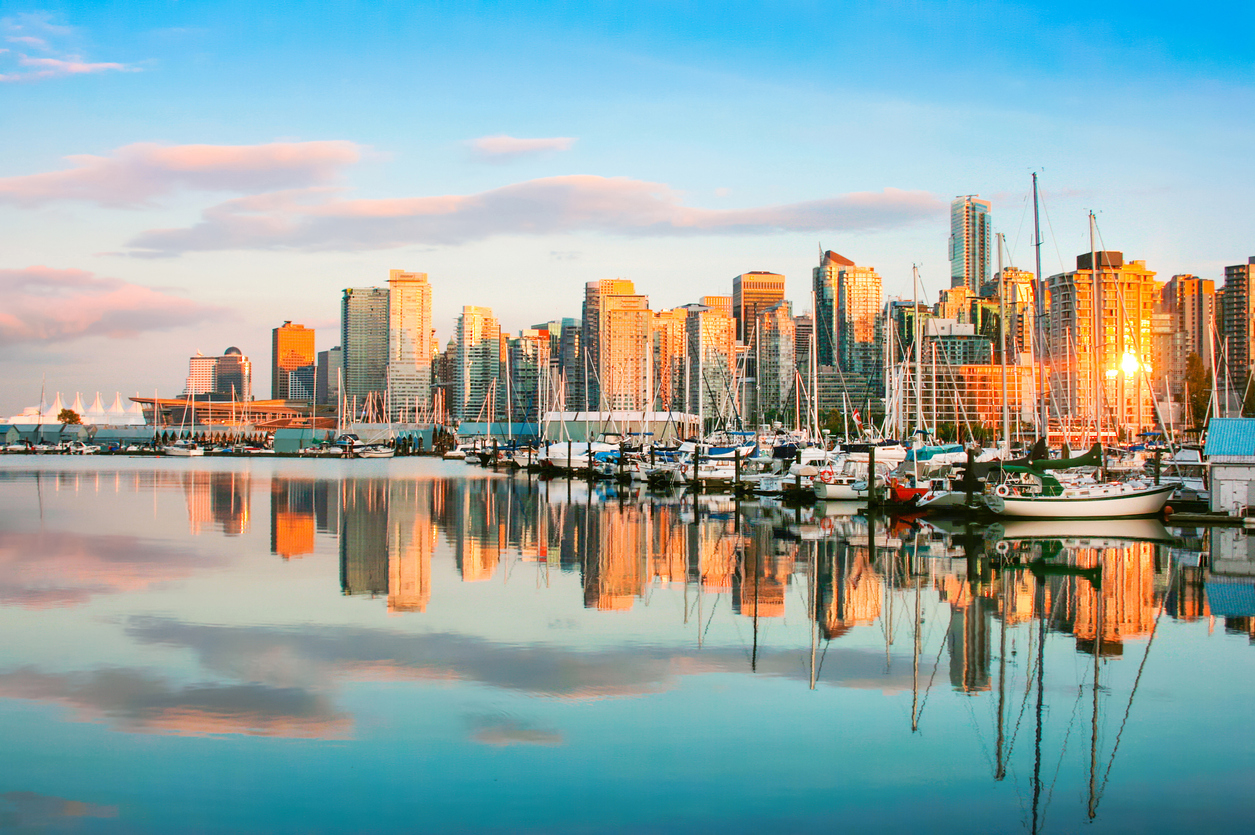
pixel 45 304
pixel 502 148
pixel 38 31
pixel 135 174
pixel 315 220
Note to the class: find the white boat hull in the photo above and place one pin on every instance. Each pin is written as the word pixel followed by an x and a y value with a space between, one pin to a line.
pixel 1076 504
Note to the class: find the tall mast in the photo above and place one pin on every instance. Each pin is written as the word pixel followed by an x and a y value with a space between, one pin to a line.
pixel 919 351
pixel 1096 332
pixel 1002 351
pixel 1040 287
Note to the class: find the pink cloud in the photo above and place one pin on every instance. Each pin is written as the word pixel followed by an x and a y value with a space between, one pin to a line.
pixel 44 304
pixel 318 220
pixel 135 174
pixel 502 148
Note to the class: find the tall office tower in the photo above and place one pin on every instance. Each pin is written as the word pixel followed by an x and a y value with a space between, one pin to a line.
pixel 777 363
pixel 292 348
pixel 616 344
pixel 364 341
pixel 228 377
pixel 752 293
pixel 409 345
pixel 528 376
pixel 1083 345
pixel 971 239
pixel 1237 316
pixel 1016 286
pixel 858 319
pixel 476 366
pixel 826 280
pixel 1189 303
pixel 327 383
pixel 669 349
pixel 711 338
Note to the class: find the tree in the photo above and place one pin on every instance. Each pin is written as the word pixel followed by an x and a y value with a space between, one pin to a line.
pixel 69 417
pixel 1248 400
pixel 1198 382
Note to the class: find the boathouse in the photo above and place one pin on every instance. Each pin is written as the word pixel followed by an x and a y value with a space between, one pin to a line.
pixel 1230 452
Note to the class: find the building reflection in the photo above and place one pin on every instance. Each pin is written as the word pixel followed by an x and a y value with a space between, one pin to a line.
pixel 217 501
pixel 292 517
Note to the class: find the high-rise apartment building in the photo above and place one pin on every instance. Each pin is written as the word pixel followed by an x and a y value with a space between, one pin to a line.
pixel 1237 317
pixel 292 348
pixel 777 363
pixel 616 343
pixel 670 351
pixel 803 337
pixel 409 344
pixel 752 293
pixel 971 237
pixel 1016 286
pixel 1098 347
pixel 528 375
pixel 477 365
pixel 711 337
pixel 228 377
pixel 858 319
pixel 1190 305
pixel 364 321
pixel 826 280
pixel 327 381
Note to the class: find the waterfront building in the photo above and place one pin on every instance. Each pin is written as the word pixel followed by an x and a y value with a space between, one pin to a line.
pixel 710 334
pixel 228 377
pixel 528 358
pixel 364 321
pixel 409 345
pixel 616 343
pixel 752 293
pixel 327 381
pixel 776 363
pixel 1117 345
pixel 825 281
pixel 859 325
pixel 971 238
pixel 970 395
pixel 1016 287
pixel 476 366
pixel 1188 303
pixel 669 355
pixel 292 348
pixel 302 382
pixel 1237 320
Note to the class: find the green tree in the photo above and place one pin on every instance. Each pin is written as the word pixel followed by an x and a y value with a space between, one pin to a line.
pixel 69 417
pixel 1248 402
pixel 1198 382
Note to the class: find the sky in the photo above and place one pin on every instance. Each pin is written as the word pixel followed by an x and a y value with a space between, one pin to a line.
pixel 182 177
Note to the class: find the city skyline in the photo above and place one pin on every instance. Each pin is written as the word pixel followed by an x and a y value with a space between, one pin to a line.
pixel 263 188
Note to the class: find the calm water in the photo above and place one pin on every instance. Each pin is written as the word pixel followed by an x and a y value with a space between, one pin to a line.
pixel 415 645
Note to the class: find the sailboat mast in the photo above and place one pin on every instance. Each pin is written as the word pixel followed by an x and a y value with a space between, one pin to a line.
pixel 1096 332
pixel 1002 351
pixel 1040 319
pixel 919 352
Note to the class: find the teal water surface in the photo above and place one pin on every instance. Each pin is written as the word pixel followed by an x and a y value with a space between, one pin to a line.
pixel 230 645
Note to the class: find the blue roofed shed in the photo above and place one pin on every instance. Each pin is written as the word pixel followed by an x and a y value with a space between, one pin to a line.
pixel 1230 451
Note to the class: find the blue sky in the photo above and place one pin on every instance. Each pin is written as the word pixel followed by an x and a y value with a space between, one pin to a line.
pixel 234 165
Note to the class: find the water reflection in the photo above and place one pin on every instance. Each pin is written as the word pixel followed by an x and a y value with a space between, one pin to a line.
pixel 1027 644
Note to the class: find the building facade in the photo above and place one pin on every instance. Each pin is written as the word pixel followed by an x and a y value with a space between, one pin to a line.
pixel 228 377
pixel 777 363
pixel 616 342
pixel 1237 315
pixel 752 293
pixel 292 348
pixel 477 366
pixel 971 242
pixel 825 280
pixel 409 345
pixel 364 340
pixel 858 321
pixel 710 334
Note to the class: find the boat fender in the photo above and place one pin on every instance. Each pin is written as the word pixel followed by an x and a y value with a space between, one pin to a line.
pixel 827 526
pixel 1003 546
pixel 1002 490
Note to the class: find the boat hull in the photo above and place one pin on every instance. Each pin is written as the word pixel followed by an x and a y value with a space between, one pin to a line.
pixel 1146 502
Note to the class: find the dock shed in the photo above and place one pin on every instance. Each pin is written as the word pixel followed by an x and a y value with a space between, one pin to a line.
pixel 1230 453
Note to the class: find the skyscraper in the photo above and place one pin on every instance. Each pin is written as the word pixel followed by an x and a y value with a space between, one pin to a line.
pixel 409 344
pixel 826 278
pixel 327 381
pixel 1087 355
pixel 711 337
pixel 616 342
pixel 858 319
pixel 1190 305
pixel 228 377
pixel 292 348
pixel 477 365
pixel 970 242
pixel 752 293
pixel 776 363
pixel 1237 315
pixel 364 340
pixel 669 352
